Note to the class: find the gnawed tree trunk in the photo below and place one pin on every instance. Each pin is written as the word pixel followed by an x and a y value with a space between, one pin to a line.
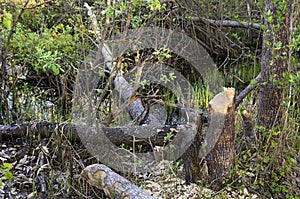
pixel 218 141
pixel 274 63
pixel 221 119
pixel 114 185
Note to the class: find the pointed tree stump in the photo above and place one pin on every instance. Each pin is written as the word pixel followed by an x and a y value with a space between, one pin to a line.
pixel 221 119
pixel 218 143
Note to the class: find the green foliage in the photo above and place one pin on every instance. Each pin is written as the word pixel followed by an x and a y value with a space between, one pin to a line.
pixel 154 5
pixel 45 51
pixel 167 78
pixel 201 96
pixel 168 137
pixel 4 169
pixel 41 42
pixel 162 54
pixel 6 19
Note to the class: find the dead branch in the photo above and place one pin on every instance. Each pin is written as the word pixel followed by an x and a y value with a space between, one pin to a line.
pixel 247 90
pixel 228 23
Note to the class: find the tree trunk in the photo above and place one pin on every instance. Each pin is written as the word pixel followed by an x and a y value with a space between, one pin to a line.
pixel 273 64
pixel 218 142
pixel 221 119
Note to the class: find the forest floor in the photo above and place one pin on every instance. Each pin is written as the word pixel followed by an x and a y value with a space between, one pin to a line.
pixel 46 169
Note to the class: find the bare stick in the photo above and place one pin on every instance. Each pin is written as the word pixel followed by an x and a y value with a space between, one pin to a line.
pixel 247 90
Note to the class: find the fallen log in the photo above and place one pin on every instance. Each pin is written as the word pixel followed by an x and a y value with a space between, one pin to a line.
pixel 113 185
pixel 117 135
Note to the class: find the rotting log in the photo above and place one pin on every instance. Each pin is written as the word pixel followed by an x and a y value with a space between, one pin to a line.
pixel 113 185
pixel 221 119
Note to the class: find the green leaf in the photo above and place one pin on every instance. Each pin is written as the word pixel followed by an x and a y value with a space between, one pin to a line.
pixel 270 19
pixel 7 19
pixel 260 4
pixel 263 27
pixel 8 175
pixel 154 5
pixel 55 69
pixel 7 165
pixel 266 159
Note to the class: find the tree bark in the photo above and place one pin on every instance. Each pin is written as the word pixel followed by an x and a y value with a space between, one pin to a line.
pixel 191 158
pixel 273 64
pixel 248 128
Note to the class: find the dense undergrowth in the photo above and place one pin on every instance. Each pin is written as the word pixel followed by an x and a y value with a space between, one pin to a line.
pixel 52 39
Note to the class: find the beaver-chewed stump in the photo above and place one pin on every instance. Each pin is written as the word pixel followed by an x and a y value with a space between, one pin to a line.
pixel 211 156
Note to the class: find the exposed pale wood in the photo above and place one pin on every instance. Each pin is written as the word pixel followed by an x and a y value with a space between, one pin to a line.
pixel 221 118
pixel 114 185
pixel 220 158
